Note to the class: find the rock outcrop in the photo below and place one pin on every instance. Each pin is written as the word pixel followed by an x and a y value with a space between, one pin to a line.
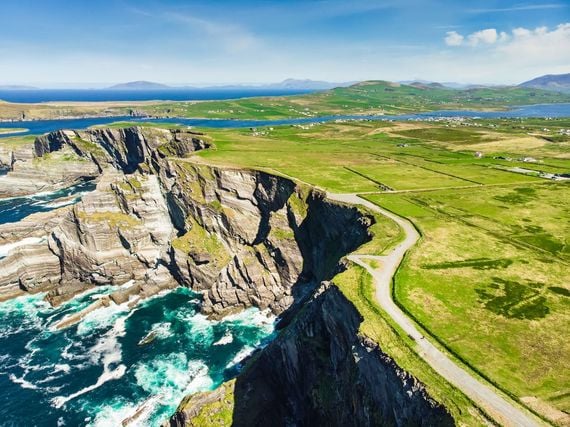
pixel 320 371
pixel 11 153
pixel 120 232
pixel 247 238
pixel 60 159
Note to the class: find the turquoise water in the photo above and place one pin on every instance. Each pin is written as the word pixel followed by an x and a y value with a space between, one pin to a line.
pixel 115 362
pixel 97 373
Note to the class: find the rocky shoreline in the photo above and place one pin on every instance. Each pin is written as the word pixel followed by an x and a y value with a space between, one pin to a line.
pixel 241 238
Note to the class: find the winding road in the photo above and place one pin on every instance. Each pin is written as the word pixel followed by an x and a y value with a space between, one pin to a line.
pixel 497 406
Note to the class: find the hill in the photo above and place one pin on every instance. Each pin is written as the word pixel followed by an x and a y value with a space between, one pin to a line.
pixel 140 85
pixel 364 98
pixel 555 82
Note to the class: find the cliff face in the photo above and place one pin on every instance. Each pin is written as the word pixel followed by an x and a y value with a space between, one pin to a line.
pixel 320 371
pixel 9 154
pixel 241 238
pixel 119 233
pixel 266 245
pixel 60 159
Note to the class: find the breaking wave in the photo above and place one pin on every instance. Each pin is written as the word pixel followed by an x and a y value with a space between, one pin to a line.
pixel 117 364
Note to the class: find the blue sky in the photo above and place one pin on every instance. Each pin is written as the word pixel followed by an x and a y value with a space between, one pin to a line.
pixel 54 42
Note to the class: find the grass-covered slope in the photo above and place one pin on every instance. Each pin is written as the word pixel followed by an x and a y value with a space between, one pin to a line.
pixel 372 97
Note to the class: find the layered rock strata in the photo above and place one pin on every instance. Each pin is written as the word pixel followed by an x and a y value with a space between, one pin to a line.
pixel 242 238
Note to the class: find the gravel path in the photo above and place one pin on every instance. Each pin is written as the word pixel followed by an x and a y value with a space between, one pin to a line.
pixel 503 411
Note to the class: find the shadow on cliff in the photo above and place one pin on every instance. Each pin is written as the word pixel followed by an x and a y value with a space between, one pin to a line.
pixel 329 232
pixel 320 372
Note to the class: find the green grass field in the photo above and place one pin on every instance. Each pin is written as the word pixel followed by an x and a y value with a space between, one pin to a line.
pixel 371 97
pixel 489 280
pixel 369 156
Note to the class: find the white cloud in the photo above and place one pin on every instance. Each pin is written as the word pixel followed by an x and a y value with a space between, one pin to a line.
pixel 520 8
pixel 487 36
pixel 500 56
pixel 521 32
pixel 453 38
pixel 503 37
pixel 523 41
pixel 538 45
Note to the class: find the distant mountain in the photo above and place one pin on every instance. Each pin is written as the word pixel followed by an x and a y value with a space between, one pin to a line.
pixel 288 84
pixel 307 84
pixel 555 82
pixel 448 85
pixel 422 85
pixel 17 87
pixel 140 85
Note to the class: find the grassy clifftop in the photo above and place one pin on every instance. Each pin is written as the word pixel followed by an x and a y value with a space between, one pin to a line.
pixel 488 277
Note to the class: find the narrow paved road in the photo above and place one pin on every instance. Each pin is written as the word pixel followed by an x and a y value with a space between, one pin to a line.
pixel 504 412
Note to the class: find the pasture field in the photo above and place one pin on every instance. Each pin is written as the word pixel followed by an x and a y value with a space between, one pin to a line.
pixel 489 279
pixel 373 156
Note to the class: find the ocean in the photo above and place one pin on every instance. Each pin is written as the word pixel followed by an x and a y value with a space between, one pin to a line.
pixel 14 209
pixel 96 95
pixel 98 372
pixel 116 362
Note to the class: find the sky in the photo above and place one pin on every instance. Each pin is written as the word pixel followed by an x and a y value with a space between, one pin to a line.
pixel 61 42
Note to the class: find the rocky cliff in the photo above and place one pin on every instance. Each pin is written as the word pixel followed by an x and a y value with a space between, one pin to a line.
pixel 242 238
pixel 119 233
pixel 320 371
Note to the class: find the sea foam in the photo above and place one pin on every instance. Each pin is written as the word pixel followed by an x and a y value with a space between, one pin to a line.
pixel 107 350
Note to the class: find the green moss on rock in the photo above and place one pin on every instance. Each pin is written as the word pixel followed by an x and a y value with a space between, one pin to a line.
pixel 197 240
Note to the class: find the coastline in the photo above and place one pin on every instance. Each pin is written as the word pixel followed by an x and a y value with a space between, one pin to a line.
pixel 355 115
pixel 421 115
pixel 5 131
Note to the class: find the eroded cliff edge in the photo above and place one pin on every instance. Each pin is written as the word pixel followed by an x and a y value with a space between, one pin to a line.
pixel 320 371
pixel 241 238
pixel 156 220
